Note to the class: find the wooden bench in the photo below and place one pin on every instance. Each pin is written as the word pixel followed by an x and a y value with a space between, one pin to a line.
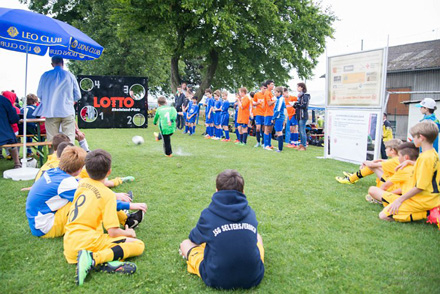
pixel 21 136
pixel 38 147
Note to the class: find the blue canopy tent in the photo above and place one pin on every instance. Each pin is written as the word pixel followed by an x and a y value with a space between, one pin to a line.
pixel 33 33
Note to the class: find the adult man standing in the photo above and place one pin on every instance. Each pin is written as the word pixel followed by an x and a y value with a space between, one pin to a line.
pixel 179 98
pixel 58 91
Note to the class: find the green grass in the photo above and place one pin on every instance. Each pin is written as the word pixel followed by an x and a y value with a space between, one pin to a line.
pixel 319 236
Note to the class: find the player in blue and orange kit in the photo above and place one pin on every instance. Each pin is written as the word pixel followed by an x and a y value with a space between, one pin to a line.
pixel 291 120
pixel 258 102
pixel 279 117
pixel 193 110
pixel 237 134
pixel 269 102
pixel 243 115
pixel 217 109
pixel 225 116
pixel 209 119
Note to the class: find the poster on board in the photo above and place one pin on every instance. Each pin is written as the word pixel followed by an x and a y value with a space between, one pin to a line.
pixel 356 79
pixel 112 102
pixel 353 135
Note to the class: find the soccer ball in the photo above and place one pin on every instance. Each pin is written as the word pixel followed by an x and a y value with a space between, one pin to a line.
pixel 138 140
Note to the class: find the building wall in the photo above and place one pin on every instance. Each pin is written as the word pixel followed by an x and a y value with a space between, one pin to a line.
pixel 428 80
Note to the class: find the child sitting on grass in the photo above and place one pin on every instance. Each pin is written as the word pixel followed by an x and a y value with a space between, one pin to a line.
pixel 49 199
pixel 382 168
pixel 422 194
pixel 224 248
pixel 395 184
pixel 94 208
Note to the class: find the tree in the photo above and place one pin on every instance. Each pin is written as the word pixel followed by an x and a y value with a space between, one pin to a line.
pixel 220 44
pixel 238 42
pixel 136 54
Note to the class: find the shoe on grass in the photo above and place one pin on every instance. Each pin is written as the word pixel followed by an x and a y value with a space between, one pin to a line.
pixel 434 216
pixel 268 148
pixel 370 199
pixel 127 179
pixel 257 145
pixel 347 174
pixel 134 219
pixel 85 263
pixel 343 180
pixel 116 266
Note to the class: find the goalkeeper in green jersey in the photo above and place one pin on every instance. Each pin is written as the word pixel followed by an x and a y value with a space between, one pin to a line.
pixel 166 115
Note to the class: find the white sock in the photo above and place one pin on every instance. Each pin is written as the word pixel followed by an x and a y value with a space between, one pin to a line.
pixel 83 144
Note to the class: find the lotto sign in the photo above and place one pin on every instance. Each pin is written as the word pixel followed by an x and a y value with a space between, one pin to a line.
pixel 112 102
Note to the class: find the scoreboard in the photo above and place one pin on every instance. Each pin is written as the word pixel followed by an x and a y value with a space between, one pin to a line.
pixel 112 102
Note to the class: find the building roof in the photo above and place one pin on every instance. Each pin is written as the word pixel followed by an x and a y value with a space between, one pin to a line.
pixel 415 56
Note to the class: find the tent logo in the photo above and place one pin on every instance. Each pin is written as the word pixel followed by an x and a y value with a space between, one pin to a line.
pixel 74 44
pixel 12 31
pixel 37 49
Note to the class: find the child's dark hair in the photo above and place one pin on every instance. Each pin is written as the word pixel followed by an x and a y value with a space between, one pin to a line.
pixel 61 148
pixel 58 139
pixel 31 99
pixel 195 97
pixel 208 91
pixel 229 180
pixel 408 148
pixel 98 164
pixel 252 94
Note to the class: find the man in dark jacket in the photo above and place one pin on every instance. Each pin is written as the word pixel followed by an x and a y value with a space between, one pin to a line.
pixel 224 248
pixel 178 99
pixel 8 116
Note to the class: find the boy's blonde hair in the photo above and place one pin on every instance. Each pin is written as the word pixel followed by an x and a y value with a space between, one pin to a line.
pixel 225 93
pixel 161 100
pixel 217 93
pixel 72 159
pixel 427 129
pixel 393 144
pixel 279 90
pixel 243 89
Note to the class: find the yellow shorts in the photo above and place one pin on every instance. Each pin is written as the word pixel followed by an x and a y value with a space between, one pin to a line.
pixel 59 223
pixel 407 213
pixel 196 255
pixel 101 242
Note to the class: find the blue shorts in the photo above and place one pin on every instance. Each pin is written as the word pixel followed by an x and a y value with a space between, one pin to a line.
pixel 225 119
pixel 279 125
pixel 243 125
pixel 209 120
pixel 192 119
pixel 217 118
pixel 259 120
pixel 293 122
pixel 268 120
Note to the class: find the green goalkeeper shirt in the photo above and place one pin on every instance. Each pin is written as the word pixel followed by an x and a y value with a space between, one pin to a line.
pixel 166 114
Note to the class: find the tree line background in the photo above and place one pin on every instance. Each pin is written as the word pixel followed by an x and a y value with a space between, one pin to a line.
pixel 211 43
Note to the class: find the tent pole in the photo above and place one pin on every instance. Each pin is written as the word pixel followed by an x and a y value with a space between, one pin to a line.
pixel 24 158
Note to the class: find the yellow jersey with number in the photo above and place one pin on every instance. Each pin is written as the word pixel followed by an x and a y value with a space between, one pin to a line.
pixel 52 162
pixel 426 177
pixel 93 207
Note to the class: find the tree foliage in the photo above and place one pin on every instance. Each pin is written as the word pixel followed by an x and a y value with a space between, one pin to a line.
pixel 219 44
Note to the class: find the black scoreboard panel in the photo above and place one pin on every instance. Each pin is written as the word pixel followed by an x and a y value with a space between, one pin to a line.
pixel 112 102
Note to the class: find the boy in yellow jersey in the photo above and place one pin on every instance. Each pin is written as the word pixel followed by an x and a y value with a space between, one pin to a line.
pixel 382 168
pixel 395 184
pixel 94 208
pixel 422 194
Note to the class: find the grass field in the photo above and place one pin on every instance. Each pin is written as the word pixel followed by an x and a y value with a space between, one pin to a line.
pixel 319 236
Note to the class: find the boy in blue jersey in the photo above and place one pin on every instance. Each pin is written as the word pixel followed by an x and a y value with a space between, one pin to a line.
pixel 225 116
pixel 279 117
pixel 185 107
pixel 193 110
pixel 224 248
pixel 427 108
pixel 209 118
pixel 50 198
pixel 217 109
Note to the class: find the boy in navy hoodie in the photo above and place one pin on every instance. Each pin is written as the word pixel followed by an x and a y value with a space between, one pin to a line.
pixel 224 248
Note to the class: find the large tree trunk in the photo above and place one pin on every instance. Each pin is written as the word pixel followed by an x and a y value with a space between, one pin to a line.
pixel 209 75
pixel 175 78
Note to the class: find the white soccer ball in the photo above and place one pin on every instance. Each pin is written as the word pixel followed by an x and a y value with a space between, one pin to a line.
pixel 138 140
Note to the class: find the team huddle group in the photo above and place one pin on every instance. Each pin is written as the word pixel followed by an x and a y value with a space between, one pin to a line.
pixel 71 198
pixel 266 108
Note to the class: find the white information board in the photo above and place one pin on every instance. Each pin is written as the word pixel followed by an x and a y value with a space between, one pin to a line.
pixel 356 79
pixel 352 135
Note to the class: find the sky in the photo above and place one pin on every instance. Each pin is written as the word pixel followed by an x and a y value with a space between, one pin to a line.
pixel 376 22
